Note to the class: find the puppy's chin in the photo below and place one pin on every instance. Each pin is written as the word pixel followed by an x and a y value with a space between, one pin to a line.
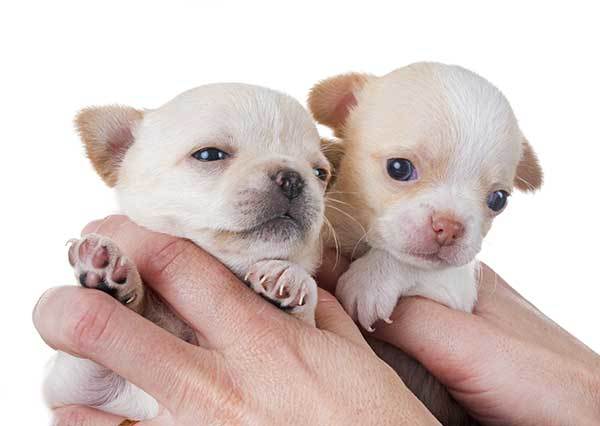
pixel 279 229
pixel 442 258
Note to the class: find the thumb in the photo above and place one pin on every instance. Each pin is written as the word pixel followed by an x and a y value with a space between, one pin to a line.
pixel 330 316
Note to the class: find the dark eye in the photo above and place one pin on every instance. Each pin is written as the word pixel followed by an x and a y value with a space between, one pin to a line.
pixel 321 173
pixel 497 200
pixel 210 154
pixel 401 169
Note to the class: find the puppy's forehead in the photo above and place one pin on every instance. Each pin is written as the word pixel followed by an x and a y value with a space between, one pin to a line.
pixel 445 112
pixel 238 114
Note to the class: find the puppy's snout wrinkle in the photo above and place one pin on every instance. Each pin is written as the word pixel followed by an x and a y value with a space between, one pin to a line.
pixel 447 230
pixel 290 182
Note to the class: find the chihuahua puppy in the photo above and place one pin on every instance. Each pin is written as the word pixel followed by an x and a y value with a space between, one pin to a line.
pixel 238 170
pixel 427 157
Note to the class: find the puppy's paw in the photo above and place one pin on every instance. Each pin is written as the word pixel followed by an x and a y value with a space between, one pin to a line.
pixel 99 264
pixel 286 285
pixel 365 301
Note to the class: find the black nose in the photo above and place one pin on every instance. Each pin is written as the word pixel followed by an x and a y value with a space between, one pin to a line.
pixel 290 182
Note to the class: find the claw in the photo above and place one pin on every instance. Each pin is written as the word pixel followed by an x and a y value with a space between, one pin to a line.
pixel 281 290
pixel 247 275
pixel 130 299
pixel 71 241
pixel 387 320
pixel 301 301
pixel 262 279
pixel 370 329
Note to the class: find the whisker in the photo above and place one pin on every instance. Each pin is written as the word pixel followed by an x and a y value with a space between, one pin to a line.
pixel 338 201
pixel 356 246
pixel 350 217
pixel 335 242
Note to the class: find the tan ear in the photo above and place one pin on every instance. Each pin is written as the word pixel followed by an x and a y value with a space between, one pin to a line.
pixel 331 100
pixel 107 132
pixel 334 151
pixel 529 175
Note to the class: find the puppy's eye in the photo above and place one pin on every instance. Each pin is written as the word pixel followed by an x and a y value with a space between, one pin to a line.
pixel 401 169
pixel 497 200
pixel 210 154
pixel 321 173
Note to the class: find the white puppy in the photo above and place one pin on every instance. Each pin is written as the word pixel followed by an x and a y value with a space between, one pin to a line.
pixel 235 168
pixel 427 157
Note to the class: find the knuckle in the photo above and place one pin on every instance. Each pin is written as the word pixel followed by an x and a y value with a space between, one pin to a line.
pixel 225 393
pixel 105 226
pixel 90 321
pixel 168 256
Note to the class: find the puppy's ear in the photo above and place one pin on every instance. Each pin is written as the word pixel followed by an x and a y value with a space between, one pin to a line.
pixel 529 175
pixel 334 151
pixel 107 132
pixel 331 100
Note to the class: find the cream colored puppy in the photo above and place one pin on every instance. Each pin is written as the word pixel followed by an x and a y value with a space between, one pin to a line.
pixel 235 168
pixel 427 157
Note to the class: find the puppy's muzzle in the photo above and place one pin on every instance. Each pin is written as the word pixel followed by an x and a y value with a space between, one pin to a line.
pixel 290 182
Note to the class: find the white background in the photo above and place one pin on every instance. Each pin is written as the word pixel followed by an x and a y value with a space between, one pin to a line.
pixel 58 57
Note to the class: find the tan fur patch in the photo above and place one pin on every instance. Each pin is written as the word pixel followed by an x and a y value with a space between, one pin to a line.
pixel 331 100
pixel 529 175
pixel 107 133
pixel 334 152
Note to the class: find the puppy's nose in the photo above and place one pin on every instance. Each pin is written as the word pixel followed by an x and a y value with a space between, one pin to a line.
pixel 290 182
pixel 447 230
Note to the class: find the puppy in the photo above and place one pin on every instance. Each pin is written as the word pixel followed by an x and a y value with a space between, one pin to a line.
pixel 427 157
pixel 237 169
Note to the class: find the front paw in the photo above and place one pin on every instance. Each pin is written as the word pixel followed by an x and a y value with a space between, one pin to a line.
pixel 365 301
pixel 286 285
pixel 99 264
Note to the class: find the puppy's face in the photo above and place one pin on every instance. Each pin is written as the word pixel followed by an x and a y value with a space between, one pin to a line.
pixel 230 166
pixel 431 155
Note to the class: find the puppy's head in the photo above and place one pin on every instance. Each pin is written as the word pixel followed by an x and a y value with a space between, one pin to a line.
pixel 230 166
pixel 431 155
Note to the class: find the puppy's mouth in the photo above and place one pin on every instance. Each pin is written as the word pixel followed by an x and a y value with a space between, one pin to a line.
pixel 285 219
pixel 444 256
pixel 284 226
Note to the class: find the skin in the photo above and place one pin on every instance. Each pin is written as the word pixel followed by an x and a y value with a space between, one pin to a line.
pixel 255 364
pixel 507 363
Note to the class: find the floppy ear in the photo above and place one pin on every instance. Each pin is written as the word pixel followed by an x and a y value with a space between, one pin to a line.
pixel 107 132
pixel 331 100
pixel 529 175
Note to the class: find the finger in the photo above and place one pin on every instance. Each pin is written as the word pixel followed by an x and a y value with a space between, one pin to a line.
pixel 90 324
pixel 505 308
pixel 331 316
pixel 444 340
pixel 74 415
pixel 333 265
pixel 203 291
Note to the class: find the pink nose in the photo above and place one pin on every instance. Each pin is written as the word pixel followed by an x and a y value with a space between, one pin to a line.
pixel 447 230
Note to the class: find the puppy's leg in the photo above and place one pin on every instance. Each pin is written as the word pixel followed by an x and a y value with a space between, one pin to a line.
pixel 77 381
pixel 370 288
pixel 286 285
pixel 453 287
pixel 99 264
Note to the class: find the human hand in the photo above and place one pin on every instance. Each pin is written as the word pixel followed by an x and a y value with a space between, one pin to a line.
pixel 254 365
pixel 506 363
